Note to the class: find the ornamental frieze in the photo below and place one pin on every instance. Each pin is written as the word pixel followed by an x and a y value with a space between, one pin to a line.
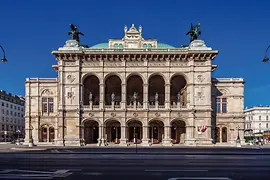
pixel 112 64
pixel 179 63
pixel 91 64
pixel 157 64
pixel 134 64
pixel 69 63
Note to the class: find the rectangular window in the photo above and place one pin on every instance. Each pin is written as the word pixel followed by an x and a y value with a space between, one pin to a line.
pixel 7 112
pixel 15 107
pixel 266 117
pixel 266 125
pixel 3 127
pixel 259 117
pixel 3 111
pixel 44 108
pixel 7 105
pixel 18 108
pixel 11 106
pixel 3 104
pixel 221 105
pixel 11 113
pixel 47 105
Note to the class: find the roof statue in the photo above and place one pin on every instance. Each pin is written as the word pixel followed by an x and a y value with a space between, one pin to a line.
pixel 75 33
pixel 194 32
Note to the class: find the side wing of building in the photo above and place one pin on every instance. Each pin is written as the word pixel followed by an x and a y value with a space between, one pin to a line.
pixel 228 109
pixel 41 109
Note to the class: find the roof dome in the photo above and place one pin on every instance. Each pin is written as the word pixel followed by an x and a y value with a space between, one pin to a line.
pixel 164 46
pixel 106 45
pixel 100 46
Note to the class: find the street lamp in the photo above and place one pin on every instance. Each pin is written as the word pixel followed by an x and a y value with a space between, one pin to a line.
pixel 18 135
pixel 266 59
pixel 4 59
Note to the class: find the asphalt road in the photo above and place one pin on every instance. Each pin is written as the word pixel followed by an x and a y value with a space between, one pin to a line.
pixel 62 164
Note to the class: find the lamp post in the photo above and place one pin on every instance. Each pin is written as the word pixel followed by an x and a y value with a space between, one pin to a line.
pixel 238 137
pixel 266 59
pixel 238 142
pixel 4 59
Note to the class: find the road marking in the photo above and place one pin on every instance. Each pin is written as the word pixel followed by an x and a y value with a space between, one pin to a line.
pixel 201 178
pixel 176 170
pixel 24 174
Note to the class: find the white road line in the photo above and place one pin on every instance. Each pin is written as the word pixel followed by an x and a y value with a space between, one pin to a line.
pixel 176 170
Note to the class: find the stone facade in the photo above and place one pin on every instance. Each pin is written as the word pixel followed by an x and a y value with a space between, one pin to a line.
pixel 257 120
pixel 133 90
pixel 11 116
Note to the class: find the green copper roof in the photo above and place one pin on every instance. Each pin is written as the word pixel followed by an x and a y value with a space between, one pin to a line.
pixel 106 45
pixel 100 46
pixel 163 45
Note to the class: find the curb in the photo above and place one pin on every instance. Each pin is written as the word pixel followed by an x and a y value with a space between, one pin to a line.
pixel 26 149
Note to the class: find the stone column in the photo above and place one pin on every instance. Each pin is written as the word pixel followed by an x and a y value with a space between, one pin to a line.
pixel 167 96
pixel 145 139
pixel 145 96
pixel 123 140
pixel 101 96
pixel 101 136
pixel 123 98
pixel 48 134
pixel 167 136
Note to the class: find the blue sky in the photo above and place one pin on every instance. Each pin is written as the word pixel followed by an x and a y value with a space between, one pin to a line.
pixel 30 30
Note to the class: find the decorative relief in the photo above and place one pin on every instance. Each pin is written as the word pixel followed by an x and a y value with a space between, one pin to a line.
pixel 135 114
pixel 70 78
pixel 113 114
pixel 157 114
pixel 47 92
pixel 70 95
pixel 91 114
pixel 199 93
pixel 200 78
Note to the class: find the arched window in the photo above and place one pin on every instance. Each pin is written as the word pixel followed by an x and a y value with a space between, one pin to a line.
pixel 121 46
pixel 149 45
pixel 144 46
pixel 116 45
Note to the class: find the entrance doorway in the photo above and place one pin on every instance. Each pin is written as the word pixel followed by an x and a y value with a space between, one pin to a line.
pixel 91 132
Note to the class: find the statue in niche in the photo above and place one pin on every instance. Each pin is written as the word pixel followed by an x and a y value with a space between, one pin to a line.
pixel 178 97
pixel 135 96
pixel 75 32
pixel 194 32
pixel 90 96
pixel 113 96
pixel 182 97
pixel 156 97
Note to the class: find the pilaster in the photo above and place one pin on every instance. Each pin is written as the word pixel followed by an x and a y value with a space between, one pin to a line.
pixel 145 96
